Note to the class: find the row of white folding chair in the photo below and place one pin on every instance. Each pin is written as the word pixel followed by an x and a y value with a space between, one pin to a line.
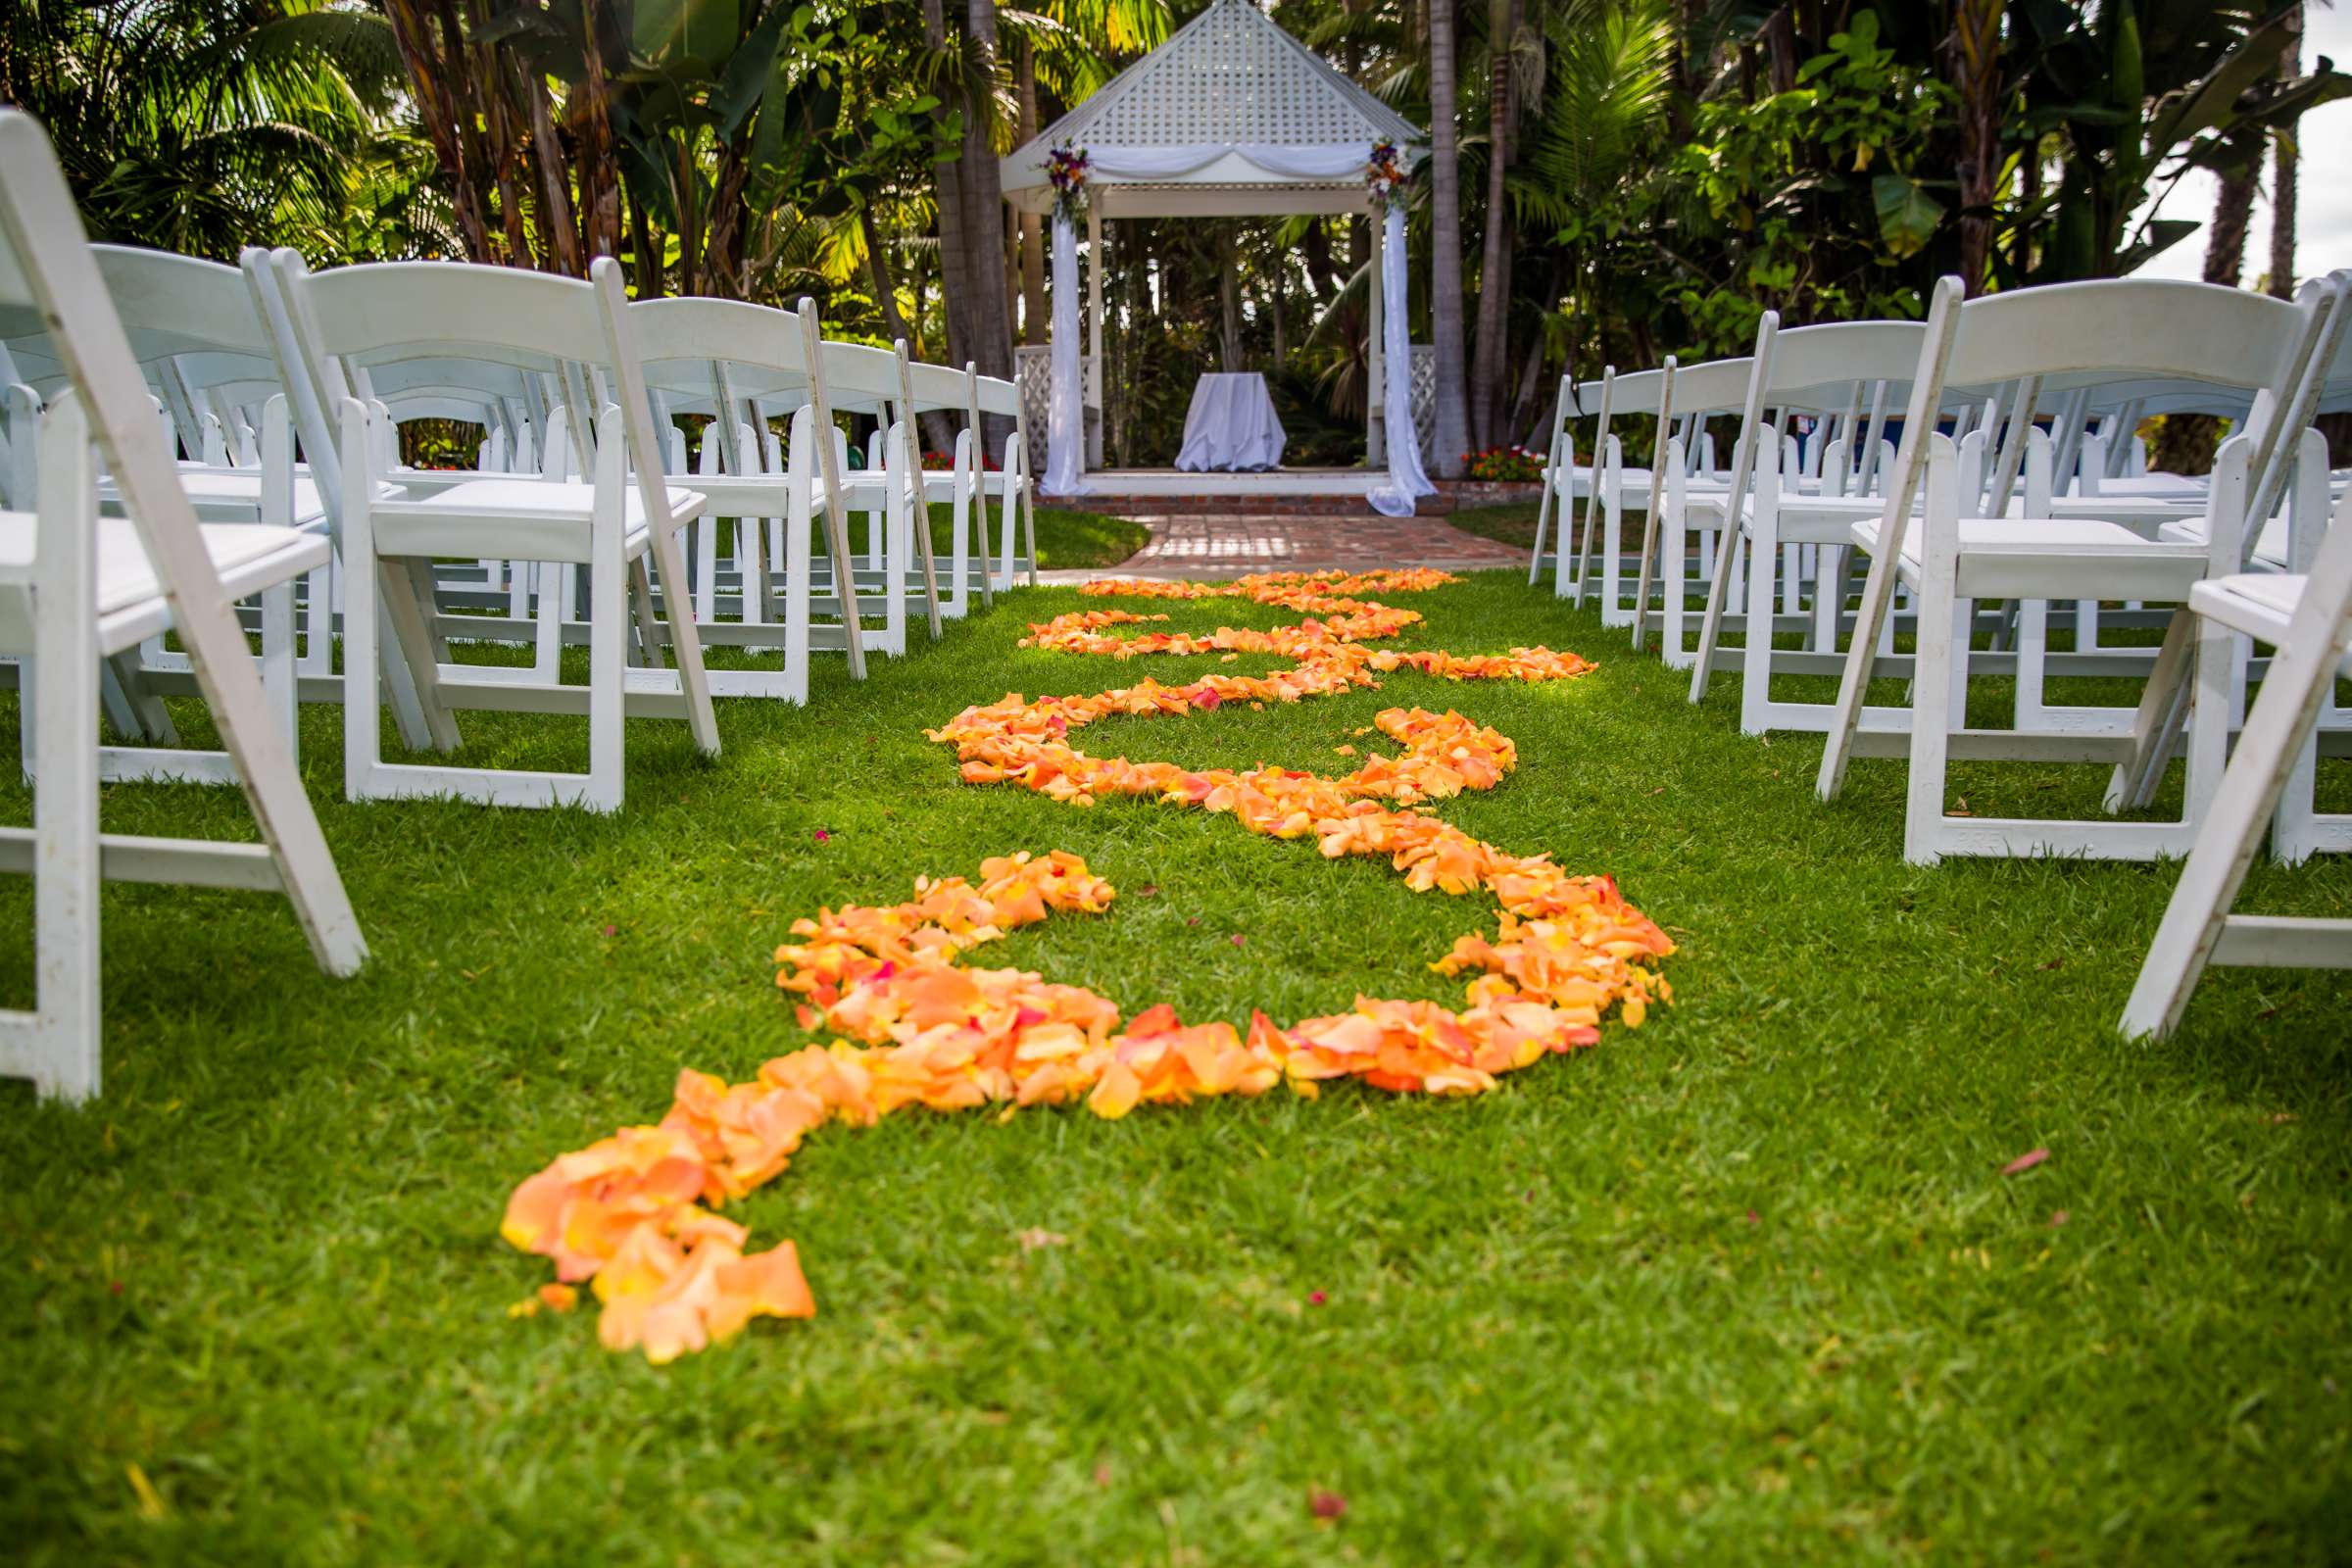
pixel 1950 559
pixel 728 355
pixel 193 329
pixel 76 587
pixel 1848 418
pixel 1791 534
pixel 367 316
pixel 1677 508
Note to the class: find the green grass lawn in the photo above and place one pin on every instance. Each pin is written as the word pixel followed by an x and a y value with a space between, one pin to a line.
pixel 1745 1285
pixel 1064 539
pixel 1511 522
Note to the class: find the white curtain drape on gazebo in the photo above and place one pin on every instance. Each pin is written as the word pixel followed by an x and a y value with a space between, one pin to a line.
pixel 1333 161
pixel 1063 419
pixel 1408 481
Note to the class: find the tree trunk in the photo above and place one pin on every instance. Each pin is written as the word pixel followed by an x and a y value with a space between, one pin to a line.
pixel 1452 435
pixel 1494 270
pixel 1275 317
pixel 599 166
pixel 430 74
pixel 554 180
pixel 1229 306
pixel 1779 47
pixel 1974 50
pixel 984 200
pixel 939 435
pixel 2282 180
pixel 1322 277
pixel 1530 405
pixel 955 274
pixel 649 248
pixel 2187 443
pixel 1032 227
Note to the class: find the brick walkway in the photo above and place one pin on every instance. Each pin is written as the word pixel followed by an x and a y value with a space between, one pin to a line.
pixel 1228 545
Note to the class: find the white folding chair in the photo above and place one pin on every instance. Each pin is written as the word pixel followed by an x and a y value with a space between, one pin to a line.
pixel 1016 495
pixel 74 588
pixel 1950 559
pixel 744 357
pixel 624 513
pixel 2308 619
pixel 1682 472
pixel 1772 516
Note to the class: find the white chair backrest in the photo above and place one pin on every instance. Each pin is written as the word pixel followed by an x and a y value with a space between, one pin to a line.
pixel 387 313
pixel 998 396
pixel 2125 328
pixel 1637 392
pixel 179 305
pixel 45 267
pixel 1714 387
pixel 1811 363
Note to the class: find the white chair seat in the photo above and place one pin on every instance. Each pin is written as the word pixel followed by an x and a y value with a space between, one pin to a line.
pixel 2006 557
pixel 526 519
pixel 2260 604
pixel 2056 536
pixel 2270 546
pixel 248 557
pixel 2157 486
pixel 211 490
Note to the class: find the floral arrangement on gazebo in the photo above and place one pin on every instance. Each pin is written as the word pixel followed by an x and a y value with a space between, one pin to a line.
pixel 1385 175
pixel 1067 167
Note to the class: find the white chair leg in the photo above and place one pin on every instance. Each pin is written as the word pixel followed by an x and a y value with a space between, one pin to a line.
pixel 2294 831
pixel 362 732
pixel 554 596
pixel 278 679
pixel 65 1028
pixel 2032 662
pixel 1756 679
pixel 608 644
pixel 2217 669
pixel 796 566
pixel 1930 708
pixel 2299 681
pixel 686 644
pixel 317 622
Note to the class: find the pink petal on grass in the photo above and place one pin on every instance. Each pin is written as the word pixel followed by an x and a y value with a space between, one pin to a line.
pixel 1316 1298
pixel 822 836
pixel 1326 1504
pixel 2025 1161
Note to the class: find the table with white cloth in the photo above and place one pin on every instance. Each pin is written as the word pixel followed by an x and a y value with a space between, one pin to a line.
pixel 1232 427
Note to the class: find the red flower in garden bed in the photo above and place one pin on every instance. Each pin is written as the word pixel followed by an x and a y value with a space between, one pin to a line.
pixel 1504 465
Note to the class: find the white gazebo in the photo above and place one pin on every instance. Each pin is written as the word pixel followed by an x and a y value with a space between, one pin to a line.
pixel 1231 117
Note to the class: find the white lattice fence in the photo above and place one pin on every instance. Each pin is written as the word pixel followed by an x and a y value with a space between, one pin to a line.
pixel 1425 398
pixel 1033 374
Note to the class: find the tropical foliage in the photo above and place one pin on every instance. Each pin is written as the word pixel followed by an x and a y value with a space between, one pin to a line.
pixel 1609 181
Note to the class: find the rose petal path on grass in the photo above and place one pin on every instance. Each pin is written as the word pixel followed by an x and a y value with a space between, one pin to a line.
pixel 914 1026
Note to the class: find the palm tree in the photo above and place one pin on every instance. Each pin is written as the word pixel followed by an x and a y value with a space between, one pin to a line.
pixel 203 125
pixel 1489 364
pixel 1610 87
pixel 2282 176
pixel 1453 434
